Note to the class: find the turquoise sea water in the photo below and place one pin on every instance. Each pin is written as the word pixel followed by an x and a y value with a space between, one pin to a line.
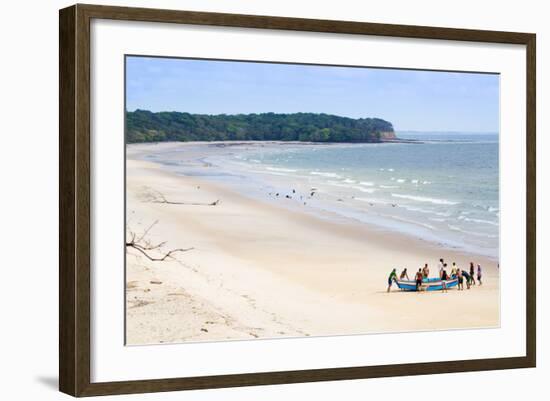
pixel 444 189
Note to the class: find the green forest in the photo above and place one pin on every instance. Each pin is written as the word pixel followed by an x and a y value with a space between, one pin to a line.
pixel 146 126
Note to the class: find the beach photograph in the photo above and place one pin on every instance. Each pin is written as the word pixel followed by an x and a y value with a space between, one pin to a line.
pixel 274 200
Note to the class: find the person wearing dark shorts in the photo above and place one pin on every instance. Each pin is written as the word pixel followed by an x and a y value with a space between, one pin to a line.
pixel 479 274
pixel 392 278
pixel 418 279
pixel 467 278
pixel 460 280
pixel 444 278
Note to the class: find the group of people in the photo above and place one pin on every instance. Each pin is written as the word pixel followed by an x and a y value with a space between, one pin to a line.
pixel 455 272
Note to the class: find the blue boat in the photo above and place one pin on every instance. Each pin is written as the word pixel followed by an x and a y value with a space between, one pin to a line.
pixel 428 284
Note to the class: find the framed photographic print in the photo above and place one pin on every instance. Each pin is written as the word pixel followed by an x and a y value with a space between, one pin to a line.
pixel 250 200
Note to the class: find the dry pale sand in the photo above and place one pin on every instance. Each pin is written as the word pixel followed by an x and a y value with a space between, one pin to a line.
pixel 258 270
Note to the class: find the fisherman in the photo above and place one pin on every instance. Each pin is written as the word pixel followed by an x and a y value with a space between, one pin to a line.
pixel 392 278
pixel 418 279
pixel 460 280
pixel 454 270
pixel 468 278
pixel 404 275
pixel 444 279
pixel 472 272
pixel 425 271
pixel 479 274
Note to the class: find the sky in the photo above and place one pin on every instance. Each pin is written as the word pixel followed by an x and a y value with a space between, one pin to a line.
pixel 410 100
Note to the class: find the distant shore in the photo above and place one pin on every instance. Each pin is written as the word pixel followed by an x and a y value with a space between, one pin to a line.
pixel 261 270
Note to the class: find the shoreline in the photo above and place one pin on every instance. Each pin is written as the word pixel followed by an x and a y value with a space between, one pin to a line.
pixel 371 211
pixel 253 262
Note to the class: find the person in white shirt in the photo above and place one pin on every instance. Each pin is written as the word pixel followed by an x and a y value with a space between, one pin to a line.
pixel 441 267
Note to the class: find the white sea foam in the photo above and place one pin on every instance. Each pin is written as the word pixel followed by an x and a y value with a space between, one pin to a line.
pixel 425 199
pixel 284 170
pixel 338 184
pixel 365 190
pixel 330 175
pixel 389 186
pixel 271 173
pixel 369 200
pixel 409 221
pixel 419 210
pixel 476 234
pixel 414 181
pixel 400 180
pixel 366 183
pixel 481 221
pixel 444 214
pixel 349 181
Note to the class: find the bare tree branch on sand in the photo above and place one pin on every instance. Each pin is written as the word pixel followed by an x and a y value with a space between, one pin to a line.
pixel 148 249
pixel 153 196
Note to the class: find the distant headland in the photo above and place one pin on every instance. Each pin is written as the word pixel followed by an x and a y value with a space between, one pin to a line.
pixel 147 126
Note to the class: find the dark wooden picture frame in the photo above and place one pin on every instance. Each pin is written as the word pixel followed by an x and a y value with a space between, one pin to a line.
pixel 74 199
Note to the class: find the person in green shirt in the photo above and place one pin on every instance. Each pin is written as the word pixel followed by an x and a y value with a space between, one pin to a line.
pixel 392 278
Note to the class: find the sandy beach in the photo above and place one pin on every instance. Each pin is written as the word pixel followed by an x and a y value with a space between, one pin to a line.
pixel 261 270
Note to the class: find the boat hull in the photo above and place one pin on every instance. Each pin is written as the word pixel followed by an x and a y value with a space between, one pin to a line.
pixel 430 284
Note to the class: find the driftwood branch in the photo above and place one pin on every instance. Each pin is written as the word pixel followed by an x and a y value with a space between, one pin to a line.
pixel 145 247
pixel 159 259
pixel 154 196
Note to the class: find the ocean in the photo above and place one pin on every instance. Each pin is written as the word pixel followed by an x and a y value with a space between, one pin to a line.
pixel 443 188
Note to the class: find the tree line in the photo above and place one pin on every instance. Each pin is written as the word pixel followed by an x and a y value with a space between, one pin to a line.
pixel 146 126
